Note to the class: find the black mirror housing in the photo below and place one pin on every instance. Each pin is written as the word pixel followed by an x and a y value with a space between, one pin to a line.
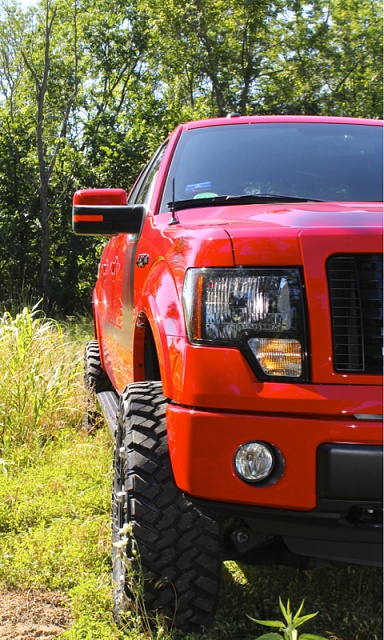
pixel 105 212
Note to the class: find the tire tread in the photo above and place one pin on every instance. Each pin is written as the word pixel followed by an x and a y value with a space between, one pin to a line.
pixel 180 548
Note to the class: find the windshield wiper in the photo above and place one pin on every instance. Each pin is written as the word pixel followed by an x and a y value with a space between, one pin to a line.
pixel 260 198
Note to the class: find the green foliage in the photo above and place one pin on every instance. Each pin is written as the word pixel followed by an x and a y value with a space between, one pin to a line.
pixel 290 626
pixel 322 60
pixel 39 382
pixel 55 527
pixel 91 608
pixel 120 75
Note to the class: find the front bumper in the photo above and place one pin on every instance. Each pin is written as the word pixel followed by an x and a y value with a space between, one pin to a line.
pixel 203 444
pixel 328 501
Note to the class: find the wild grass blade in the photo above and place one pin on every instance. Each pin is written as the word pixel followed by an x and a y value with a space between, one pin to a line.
pixel 40 381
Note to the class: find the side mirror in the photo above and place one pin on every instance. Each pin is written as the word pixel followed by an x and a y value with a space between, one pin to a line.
pixel 104 212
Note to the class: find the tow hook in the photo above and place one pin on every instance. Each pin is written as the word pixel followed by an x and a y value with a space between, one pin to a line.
pixel 245 540
pixel 365 517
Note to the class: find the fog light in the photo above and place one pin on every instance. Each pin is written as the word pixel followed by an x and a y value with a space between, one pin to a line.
pixel 254 461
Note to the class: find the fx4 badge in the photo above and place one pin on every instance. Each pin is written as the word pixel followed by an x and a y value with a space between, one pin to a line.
pixel 142 259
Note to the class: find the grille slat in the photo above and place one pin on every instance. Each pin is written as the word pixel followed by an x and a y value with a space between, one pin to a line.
pixel 356 297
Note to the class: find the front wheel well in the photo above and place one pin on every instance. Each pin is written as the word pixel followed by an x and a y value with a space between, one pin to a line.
pixel 151 360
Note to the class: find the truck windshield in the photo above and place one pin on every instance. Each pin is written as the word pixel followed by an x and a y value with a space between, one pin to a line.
pixel 308 161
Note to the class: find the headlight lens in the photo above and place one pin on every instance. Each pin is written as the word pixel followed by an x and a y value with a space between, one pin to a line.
pixel 258 310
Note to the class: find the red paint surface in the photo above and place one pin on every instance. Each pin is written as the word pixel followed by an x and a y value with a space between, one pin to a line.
pixel 217 403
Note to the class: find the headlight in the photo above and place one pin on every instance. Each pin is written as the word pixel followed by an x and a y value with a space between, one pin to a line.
pixel 259 311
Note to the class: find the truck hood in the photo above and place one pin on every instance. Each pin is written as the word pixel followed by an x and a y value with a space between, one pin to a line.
pixel 275 233
pixel 294 216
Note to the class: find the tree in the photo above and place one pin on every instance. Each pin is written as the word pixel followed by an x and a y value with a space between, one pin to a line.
pixel 89 90
pixel 209 55
pixel 326 58
pixel 47 147
pixel 34 61
pixel 18 199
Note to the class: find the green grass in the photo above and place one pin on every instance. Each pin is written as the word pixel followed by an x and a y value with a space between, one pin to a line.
pixel 39 383
pixel 55 488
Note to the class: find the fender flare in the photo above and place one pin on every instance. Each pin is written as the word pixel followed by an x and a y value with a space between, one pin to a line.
pixel 96 325
pixel 160 305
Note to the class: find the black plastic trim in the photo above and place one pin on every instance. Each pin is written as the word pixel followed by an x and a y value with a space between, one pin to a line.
pixel 350 472
pixel 333 536
pixel 112 219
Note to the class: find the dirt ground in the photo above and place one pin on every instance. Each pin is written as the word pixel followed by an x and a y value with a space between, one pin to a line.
pixel 32 614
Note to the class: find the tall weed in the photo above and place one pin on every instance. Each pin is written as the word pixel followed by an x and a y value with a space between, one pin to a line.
pixel 39 381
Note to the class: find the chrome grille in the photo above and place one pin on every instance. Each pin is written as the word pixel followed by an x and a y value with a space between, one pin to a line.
pixel 356 297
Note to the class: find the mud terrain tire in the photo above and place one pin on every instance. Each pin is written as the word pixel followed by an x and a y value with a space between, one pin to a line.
pixel 95 378
pixel 95 381
pixel 179 548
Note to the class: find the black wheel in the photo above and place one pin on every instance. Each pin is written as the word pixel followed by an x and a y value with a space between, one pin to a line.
pixel 179 548
pixel 95 381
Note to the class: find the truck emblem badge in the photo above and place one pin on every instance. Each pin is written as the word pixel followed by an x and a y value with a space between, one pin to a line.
pixel 142 260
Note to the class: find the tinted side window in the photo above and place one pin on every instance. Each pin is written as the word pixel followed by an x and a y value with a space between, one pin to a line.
pixel 142 188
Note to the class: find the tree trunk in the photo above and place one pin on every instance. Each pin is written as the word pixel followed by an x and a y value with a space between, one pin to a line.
pixel 46 164
pixel 45 246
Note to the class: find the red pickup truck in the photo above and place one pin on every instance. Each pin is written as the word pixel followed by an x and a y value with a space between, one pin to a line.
pixel 238 353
